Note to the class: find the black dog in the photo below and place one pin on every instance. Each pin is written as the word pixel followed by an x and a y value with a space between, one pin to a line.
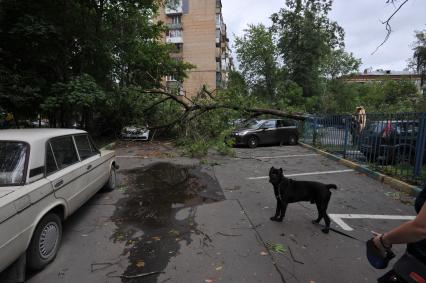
pixel 288 191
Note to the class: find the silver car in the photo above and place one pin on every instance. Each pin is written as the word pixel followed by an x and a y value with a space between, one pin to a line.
pixel 135 133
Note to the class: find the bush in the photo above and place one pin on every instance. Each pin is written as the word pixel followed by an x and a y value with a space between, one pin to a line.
pixel 196 148
pixel 225 147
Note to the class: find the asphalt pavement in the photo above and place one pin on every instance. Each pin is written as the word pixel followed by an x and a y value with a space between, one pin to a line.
pixel 176 219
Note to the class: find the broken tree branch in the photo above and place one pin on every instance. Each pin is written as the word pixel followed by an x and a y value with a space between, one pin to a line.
pixel 132 276
pixel 229 235
pixel 174 122
pixel 156 103
pixel 192 109
pixel 387 24
pixel 176 98
pixel 210 94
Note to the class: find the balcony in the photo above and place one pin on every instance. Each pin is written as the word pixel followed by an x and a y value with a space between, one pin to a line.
pixel 172 9
pixel 175 26
pixel 218 53
pixel 223 45
pixel 177 56
pixel 223 28
pixel 218 21
pixel 174 39
pixel 219 83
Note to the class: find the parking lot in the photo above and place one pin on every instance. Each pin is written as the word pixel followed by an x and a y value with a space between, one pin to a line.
pixel 186 220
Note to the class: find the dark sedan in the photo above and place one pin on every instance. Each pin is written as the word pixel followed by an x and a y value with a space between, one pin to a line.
pixel 262 132
pixel 390 142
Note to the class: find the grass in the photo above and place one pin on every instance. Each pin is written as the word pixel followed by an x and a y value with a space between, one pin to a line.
pixel 402 172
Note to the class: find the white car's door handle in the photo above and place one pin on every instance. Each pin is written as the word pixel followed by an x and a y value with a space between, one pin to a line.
pixel 58 184
pixel 89 167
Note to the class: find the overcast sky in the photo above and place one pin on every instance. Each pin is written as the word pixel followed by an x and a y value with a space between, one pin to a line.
pixel 361 20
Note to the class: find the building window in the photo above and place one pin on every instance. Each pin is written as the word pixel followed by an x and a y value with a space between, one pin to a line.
pixel 219 81
pixel 170 78
pixel 218 20
pixel 174 33
pixel 176 19
pixel 179 47
pixel 185 6
pixel 218 66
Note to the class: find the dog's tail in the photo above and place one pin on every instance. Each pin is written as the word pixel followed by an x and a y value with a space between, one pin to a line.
pixel 331 186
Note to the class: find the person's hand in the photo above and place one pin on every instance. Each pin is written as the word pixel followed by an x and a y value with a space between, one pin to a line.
pixel 378 244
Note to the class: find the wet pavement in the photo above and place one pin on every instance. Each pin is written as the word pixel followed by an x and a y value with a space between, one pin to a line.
pixel 147 218
pixel 175 219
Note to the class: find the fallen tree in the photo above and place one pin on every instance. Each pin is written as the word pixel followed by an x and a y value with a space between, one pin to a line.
pixel 193 108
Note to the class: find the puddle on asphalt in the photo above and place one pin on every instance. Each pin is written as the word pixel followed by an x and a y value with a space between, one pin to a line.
pixel 157 214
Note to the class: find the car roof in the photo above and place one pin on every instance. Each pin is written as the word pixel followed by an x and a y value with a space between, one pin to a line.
pixel 36 135
pixel 396 122
pixel 265 120
pixel 37 139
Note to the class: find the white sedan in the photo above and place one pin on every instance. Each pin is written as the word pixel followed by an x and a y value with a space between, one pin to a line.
pixel 135 133
pixel 45 175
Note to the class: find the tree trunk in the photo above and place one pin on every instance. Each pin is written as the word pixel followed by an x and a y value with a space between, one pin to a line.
pixel 62 120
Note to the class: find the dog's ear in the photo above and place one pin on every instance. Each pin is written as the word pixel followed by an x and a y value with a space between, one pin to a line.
pixel 281 170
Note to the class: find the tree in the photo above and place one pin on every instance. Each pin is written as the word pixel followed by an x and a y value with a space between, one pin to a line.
pixel 74 101
pixel 339 63
pixel 258 58
pixel 48 47
pixel 306 36
pixel 419 57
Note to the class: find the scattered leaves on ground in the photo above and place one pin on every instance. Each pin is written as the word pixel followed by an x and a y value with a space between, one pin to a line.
pixel 140 264
pixel 174 232
pixel 278 248
pixel 263 253
pixel 394 195
pixel 219 268
pixel 403 197
pixel 122 189
pixel 156 238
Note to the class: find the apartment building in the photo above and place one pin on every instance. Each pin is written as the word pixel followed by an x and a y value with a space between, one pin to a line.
pixel 385 75
pixel 197 29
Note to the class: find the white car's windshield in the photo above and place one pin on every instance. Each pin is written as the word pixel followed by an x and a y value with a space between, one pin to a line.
pixel 13 156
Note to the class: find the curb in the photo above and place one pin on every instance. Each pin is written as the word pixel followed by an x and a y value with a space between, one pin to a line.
pixel 394 183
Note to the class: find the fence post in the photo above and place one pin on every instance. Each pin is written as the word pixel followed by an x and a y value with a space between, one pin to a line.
pixel 314 136
pixel 420 145
pixel 345 145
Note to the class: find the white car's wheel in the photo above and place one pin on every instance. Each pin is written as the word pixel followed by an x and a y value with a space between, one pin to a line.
pixel 112 181
pixel 45 242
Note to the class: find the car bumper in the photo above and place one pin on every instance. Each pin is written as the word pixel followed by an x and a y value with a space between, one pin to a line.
pixel 134 136
pixel 381 152
pixel 237 140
